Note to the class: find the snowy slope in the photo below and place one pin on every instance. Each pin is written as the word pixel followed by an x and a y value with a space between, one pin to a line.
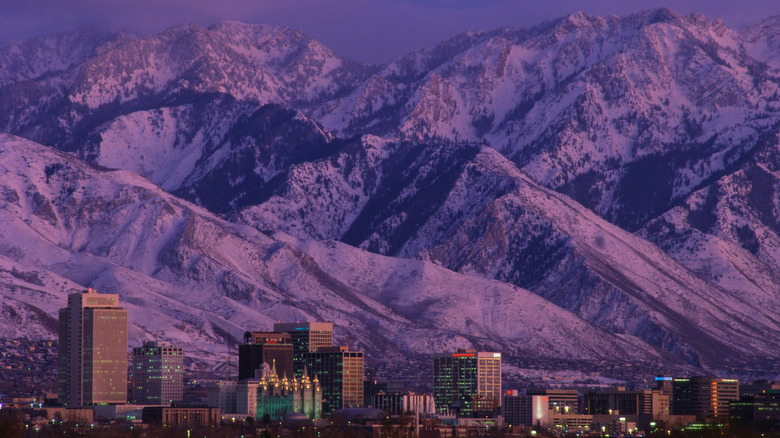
pixel 471 210
pixel 220 153
pixel 262 64
pixel 627 115
pixel 199 281
pixel 763 42
pixel 651 121
pixel 32 59
pixel 729 232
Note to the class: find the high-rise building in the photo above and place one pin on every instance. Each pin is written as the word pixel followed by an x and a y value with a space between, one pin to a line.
pixel 525 410
pixel 265 347
pixel 306 338
pixel 93 350
pixel 467 383
pixel 340 373
pixel 759 412
pixel 617 400
pixel 158 373
pixel 704 397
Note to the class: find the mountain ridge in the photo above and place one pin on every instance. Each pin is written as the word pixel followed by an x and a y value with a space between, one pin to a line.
pixel 482 154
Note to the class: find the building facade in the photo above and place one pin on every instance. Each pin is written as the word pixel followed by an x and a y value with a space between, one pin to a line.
pixel 467 383
pixel 158 373
pixel 265 347
pixel 223 394
pixel 181 416
pixel 618 401
pixel 760 413
pixel 400 404
pixel 234 398
pixel 525 410
pixel 93 350
pixel 340 373
pixel 306 337
pixel 704 397
pixel 563 401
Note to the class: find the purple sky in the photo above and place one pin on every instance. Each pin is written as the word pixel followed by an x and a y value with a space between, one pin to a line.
pixel 365 30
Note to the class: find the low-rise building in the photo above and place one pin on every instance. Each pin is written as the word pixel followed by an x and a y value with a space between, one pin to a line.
pixel 181 416
pixel 399 404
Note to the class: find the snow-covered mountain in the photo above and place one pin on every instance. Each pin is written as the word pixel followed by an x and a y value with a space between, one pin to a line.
pixel 256 63
pixel 729 231
pixel 622 169
pixel 188 276
pixel 627 115
pixel 471 210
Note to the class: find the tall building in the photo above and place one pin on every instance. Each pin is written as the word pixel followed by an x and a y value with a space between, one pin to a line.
pixel 158 373
pixel 93 350
pixel 265 347
pixel 525 410
pixel 617 400
pixel 704 397
pixel 757 412
pixel 340 373
pixel 467 383
pixel 306 338
pixel 235 398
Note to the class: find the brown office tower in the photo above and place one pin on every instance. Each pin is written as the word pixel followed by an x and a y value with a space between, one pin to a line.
pixel 306 338
pixel 93 350
pixel 265 347
pixel 340 373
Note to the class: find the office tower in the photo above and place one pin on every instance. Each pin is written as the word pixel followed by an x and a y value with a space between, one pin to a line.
pixel 306 338
pixel 525 410
pixel 704 397
pixel 223 394
pixel 93 350
pixel 265 347
pixel 158 374
pixel 618 401
pixel 340 373
pixel 564 401
pixel 467 382
pixel 758 412
pixel 759 387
